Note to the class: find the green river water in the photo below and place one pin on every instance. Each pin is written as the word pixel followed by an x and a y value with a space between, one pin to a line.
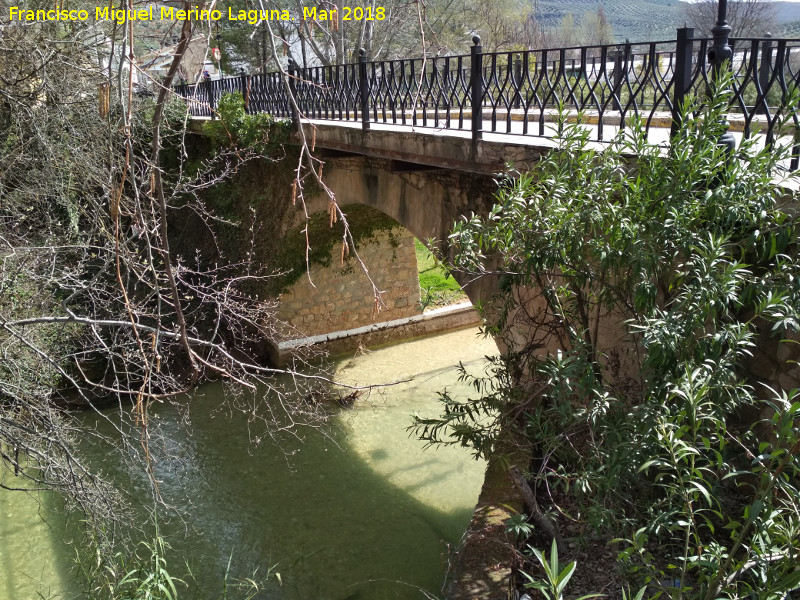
pixel 362 512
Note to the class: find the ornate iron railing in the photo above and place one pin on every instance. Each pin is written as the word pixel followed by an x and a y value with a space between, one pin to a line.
pixel 518 93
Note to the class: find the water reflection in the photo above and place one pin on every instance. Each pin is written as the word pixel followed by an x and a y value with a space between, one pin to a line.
pixel 357 512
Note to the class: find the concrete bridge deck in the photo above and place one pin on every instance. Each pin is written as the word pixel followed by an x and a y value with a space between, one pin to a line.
pixel 430 146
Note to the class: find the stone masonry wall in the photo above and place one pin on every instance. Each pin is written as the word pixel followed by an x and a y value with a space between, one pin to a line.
pixel 343 298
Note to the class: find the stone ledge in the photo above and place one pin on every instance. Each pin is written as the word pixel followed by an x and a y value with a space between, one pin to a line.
pixel 338 342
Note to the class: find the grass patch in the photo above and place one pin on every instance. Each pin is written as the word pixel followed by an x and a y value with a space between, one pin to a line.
pixel 437 286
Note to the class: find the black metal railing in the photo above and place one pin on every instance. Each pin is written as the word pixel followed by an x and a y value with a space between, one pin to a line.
pixel 519 93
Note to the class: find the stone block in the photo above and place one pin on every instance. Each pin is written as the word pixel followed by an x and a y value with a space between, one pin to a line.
pixel 299 291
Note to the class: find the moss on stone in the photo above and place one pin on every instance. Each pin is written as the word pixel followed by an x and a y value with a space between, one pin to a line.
pixel 257 216
pixel 364 223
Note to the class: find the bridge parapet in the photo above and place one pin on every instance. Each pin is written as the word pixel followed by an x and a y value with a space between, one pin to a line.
pixel 516 93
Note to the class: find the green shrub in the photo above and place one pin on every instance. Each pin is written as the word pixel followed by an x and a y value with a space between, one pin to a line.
pixel 236 129
pixel 693 255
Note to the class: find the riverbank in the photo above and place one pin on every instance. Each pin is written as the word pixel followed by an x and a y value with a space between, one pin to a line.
pixel 438 320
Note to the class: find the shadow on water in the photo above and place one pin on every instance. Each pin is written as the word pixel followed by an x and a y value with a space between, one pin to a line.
pixel 335 527
pixel 353 513
pixel 35 560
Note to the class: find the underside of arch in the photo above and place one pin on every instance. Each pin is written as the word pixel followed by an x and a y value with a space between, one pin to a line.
pixel 346 287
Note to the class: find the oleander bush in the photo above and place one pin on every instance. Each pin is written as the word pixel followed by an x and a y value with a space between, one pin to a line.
pixel 669 440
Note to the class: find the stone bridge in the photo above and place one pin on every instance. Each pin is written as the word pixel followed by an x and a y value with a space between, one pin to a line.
pixel 519 94
pixel 400 186
pixel 419 139
pixel 422 200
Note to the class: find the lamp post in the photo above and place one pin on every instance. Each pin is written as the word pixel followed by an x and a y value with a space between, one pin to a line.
pixel 717 56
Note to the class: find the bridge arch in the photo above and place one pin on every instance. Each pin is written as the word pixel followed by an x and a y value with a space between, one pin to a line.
pixel 333 293
pixel 389 203
pixel 423 200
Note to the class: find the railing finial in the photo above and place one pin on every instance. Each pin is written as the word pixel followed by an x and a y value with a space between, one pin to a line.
pixel 362 52
pixel 476 39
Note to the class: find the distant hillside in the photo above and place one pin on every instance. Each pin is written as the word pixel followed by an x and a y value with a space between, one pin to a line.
pixel 788 12
pixel 791 30
pixel 789 19
pixel 637 20
pixel 648 20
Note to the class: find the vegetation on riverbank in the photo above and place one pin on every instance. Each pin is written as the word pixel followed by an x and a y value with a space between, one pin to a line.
pixel 97 308
pixel 651 307
pixel 437 286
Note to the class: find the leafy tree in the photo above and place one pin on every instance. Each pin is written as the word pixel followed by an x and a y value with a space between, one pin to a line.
pixel 508 25
pixel 595 28
pixel 566 34
pixel 640 297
